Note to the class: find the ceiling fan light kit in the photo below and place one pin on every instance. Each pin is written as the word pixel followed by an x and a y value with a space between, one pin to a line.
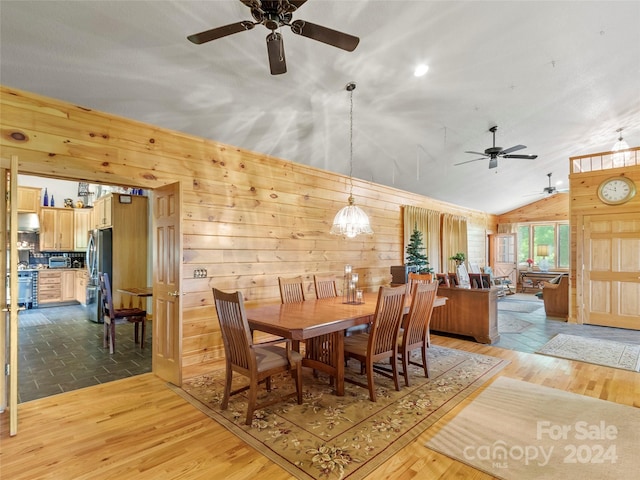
pixel 274 14
pixel 492 153
pixel 351 220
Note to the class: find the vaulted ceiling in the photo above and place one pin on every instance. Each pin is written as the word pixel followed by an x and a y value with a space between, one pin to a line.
pixel 558 77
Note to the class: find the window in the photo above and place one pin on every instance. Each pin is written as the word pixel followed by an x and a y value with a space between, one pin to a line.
pixel 553 235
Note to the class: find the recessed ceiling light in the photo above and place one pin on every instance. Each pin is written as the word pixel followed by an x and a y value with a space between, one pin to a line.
pixel 421 70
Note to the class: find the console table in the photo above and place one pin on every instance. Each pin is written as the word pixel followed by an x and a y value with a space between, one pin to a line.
pixel 533 280
pixel 469 311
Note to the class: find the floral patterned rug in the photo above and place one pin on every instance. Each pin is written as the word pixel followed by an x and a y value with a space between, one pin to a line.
pixel 330 437
pixel 608 353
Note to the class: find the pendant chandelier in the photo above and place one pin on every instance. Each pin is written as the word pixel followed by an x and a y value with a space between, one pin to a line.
pixel 351 220
pixel 620 156
pixel 620 144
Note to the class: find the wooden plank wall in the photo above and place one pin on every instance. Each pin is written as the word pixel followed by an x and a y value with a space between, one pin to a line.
pixel 584 201
pixel 248 217
pixel 551 208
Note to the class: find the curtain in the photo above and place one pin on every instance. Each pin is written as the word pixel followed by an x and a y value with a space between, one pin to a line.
pixel 507 228
pixel 427 222
pixel 454 239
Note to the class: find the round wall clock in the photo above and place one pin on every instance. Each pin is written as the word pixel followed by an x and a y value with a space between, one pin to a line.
pixel 616 190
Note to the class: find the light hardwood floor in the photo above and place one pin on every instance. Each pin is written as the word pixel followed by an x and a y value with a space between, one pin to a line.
pixel 138 428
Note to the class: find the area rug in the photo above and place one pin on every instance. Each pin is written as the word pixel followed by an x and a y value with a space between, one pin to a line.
pixel 592 350
pixel 522 306
pixel 345 437
pixel 519 430
pixel 508 323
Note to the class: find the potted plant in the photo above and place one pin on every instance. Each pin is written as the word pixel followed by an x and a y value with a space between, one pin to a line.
pixel 417 261
pixel 459 258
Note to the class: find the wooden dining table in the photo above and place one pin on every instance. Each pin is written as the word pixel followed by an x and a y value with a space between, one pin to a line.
pixel 319 322
pixel 138 292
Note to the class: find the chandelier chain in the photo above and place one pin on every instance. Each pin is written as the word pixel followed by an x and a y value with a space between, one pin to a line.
pixel 351 143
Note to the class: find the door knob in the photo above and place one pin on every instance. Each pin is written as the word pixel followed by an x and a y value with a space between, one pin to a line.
pixel 175 294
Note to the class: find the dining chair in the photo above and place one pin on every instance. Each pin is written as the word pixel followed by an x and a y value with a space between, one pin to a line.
pixel 257 361
pixel 382 341
pixel 111 316
pixel 443 279
pixel 417 278
pixel 325 286
pixel 291 289
pixel 416 327
pixel 414 278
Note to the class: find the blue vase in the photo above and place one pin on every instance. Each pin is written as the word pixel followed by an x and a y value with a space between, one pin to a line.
pixel 46 198
pixel 53 202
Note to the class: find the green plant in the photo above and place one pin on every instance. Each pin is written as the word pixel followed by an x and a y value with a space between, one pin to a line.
pixel 459 258
pixel 415 259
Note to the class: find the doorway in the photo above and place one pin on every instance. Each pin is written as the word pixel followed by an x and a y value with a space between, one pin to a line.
pixel 60 349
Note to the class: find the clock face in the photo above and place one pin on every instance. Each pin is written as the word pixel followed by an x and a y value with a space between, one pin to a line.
pixel 616 190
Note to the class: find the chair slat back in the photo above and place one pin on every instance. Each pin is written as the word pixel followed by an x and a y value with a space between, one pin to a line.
pixel 417 278
pixel 423 297
pixel 291 289
pixel 236 335
pixel 383 336
pixel 107 300
pixel 325 286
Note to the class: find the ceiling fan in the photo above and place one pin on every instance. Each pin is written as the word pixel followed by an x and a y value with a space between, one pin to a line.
pixel 492 153
pixel 274 14
pixel 550 190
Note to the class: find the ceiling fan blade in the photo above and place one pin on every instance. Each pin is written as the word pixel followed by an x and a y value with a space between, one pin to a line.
pixel 297 3
pixel 469 161
pixel 525 157
pixel 275 49
pixel 325 35
pixel 478 153
pixel 219 32
pixel 513 149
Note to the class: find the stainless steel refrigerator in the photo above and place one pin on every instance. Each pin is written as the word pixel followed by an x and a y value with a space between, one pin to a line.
pixel 99 260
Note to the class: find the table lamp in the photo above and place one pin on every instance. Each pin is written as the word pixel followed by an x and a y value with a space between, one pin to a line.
pixel 543 251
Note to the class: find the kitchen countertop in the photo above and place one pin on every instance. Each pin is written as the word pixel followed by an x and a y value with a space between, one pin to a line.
pixel 49 269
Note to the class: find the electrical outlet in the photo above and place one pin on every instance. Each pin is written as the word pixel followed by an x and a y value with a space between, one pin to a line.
pixel 200 273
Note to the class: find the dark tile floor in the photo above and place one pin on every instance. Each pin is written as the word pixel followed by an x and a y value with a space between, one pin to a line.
pixel 543 328
pixel 60 350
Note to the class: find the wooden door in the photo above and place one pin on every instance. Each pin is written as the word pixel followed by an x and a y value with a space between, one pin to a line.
pixel 9 316
pixel 611 278
pixel 503 255
pixel 167 293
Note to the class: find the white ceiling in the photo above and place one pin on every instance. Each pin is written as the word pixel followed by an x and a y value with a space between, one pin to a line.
pixel 559 77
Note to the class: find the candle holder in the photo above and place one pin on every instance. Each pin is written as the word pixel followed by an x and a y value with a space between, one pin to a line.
pixel 350 292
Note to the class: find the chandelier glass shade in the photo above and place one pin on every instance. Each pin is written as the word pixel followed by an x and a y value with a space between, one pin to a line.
pixel 620 157
pixel 620 144
pixel 351 220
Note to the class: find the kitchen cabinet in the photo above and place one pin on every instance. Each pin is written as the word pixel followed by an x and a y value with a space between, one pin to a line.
pixel 49 286
pixel 68 285
pixel 102 212
pixel 56 286
pixel 28 199
pixel 81 224
pixel 82 276
pixel 56 229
